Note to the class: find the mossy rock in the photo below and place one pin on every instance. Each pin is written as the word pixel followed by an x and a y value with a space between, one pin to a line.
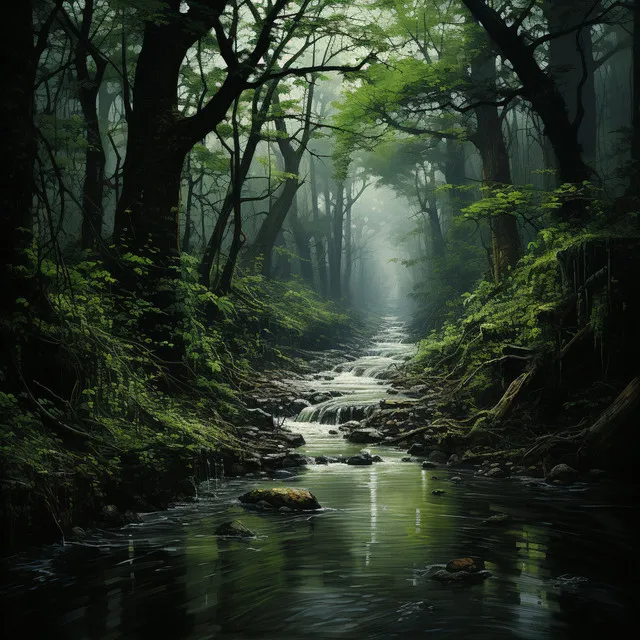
pixel 461 564
pixel 295 499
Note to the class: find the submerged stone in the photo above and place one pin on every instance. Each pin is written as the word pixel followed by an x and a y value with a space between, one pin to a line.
pixel 562 474
pixel 283 474
pixel 498 518
pixel 234 529
pixel 295 499
pixel 462 577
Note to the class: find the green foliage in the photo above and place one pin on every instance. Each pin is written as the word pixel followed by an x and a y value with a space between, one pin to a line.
pixel 104 406
pixel 515 312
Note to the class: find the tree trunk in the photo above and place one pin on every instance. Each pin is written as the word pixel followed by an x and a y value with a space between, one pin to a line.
pixel 188 219
pixel 302 243
pixel 147 218
pixel 271 226
pixel 489 140
pixel 238 240
pixel 634 189
pixel 88 88
pixel 618 415
pixel 214 246
pixel 572 67
pixel 348 255
pixel 539 89
pixel 335 256
pixel 437 237
pixel 18 137
pixel 224 286
pixel 319 235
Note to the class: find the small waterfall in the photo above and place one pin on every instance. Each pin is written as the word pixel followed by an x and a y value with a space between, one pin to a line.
pixel 360 382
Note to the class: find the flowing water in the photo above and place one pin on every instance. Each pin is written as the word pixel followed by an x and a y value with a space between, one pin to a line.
pixel 566 566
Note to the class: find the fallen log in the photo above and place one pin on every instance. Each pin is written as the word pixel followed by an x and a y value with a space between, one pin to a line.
pixel 408 434
pixel 612 419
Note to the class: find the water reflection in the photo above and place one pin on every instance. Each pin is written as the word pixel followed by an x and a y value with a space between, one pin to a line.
pixel 359 569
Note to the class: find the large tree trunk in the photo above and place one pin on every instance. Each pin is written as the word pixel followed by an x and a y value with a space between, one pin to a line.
pixel 88 88
pixel 262 246
pixel 634 189
pixel 272 225
pixel 302 243
pixel 18 137
pixel 539 89
pixel 147 213
pixel 572 67
pixel 489 140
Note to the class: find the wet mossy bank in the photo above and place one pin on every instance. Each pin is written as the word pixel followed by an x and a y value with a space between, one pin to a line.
pixel 93 418
pixel 540 369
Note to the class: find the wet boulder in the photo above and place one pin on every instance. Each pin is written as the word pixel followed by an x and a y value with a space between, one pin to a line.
pixel 361 459
pixel 292 439
pixel 234 529
pixel 350 425
pixel 461 577
pixel 427 464
pixel 260 418
pixel 297 405
pixel 461 564
pixel 417 449
pixel 461 570
pixel 453 460
pixel 363 436
pixel 131 517
pixel 111 515
pixel 77 533
pixel 317 398
pixel 417 391
pixel 283 474
pixel 276 497
pixel 294 460
pixel 562 474
pixel 438 456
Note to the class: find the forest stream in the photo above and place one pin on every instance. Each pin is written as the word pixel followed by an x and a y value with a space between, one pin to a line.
pixel 563 565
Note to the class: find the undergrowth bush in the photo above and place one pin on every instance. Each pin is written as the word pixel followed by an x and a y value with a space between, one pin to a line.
pixel 86 399
pixel 514 312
